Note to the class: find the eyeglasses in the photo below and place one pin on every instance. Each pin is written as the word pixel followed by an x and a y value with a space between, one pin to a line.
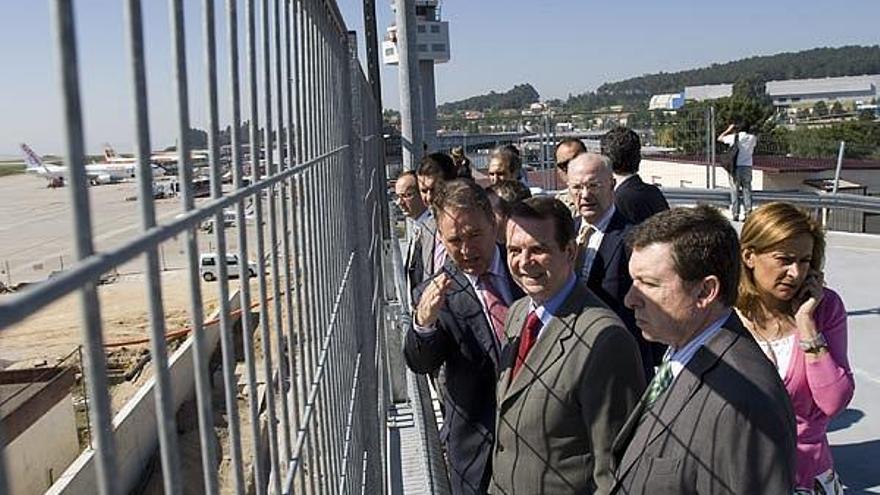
pixel 406 196
pixel 588 186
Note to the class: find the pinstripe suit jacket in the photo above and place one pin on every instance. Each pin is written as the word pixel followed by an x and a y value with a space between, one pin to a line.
pixel 558 417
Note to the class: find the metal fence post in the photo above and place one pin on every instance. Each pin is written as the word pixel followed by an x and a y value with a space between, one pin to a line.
pixel 67 57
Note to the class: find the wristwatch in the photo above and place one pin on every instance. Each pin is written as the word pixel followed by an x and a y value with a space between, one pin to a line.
pixel 814 345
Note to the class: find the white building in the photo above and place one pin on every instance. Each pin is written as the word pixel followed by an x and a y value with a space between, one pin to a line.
pixel 857 89
pixel 672 101
pixel 708 92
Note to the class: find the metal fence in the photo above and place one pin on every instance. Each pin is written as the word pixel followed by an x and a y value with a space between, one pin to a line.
pixel 314 387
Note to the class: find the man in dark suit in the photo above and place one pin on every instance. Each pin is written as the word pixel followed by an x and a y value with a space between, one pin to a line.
pixel 716 417
pixel 603 259
pixel 421 226
pixel 572 372
pixel 633 198
pixel 459 323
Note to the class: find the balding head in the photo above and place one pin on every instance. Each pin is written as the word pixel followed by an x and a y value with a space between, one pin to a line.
pixel 591 185
pixel 406 190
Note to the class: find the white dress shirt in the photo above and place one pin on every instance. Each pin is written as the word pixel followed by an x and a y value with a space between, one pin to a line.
pixel 681 357
pixel 620 179
pixel 595 241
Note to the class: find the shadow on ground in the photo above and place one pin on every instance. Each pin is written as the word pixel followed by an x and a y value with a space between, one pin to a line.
pixel 845 419
pixel 857 465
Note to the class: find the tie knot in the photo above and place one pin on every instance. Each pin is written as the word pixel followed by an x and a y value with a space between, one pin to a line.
pixel 533 324
pixel 584 234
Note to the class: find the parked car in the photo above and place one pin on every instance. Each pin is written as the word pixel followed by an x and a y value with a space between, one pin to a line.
pixel 229 217
pixel 209 271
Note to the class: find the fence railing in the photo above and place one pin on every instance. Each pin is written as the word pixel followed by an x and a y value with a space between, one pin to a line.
pixel 312 372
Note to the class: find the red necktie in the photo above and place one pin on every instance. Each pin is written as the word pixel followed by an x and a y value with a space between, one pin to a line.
pixel 495 305
pixel 526 341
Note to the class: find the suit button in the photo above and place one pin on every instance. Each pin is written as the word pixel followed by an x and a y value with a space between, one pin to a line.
pixel 500 448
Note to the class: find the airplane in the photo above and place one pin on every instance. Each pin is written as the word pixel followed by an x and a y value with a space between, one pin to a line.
pixel 97 173
pixel 156 157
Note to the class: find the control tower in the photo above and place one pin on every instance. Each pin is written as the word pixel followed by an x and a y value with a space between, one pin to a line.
pixel 432 45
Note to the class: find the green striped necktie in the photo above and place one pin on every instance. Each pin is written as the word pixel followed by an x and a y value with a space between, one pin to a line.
pixel 661 381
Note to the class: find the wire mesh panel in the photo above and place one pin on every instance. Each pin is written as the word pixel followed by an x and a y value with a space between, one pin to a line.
pixel 286 390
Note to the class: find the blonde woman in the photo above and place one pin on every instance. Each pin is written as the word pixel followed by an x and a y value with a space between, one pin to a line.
pixel 801 327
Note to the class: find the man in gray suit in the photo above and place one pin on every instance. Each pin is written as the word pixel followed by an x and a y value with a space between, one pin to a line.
pixel 571 373
pixel 715 418
pixel 434 171
pixel 421 229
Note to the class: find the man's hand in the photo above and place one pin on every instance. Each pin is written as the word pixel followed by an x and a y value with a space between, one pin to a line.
pixel 432 300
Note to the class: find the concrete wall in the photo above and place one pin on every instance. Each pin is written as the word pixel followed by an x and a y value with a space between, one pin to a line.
pixel 135 429
pixel 675 174
pixel 678 174
pixel 40 454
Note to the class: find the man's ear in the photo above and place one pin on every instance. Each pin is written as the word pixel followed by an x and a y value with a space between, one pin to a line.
pixel 708 291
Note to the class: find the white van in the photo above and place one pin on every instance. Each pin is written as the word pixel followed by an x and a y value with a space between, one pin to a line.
pixel 229 217
pixel 209 270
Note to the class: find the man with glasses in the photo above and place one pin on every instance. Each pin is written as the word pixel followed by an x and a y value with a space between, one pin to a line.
pixel 408 199
pixel 566 150
pixel 603 258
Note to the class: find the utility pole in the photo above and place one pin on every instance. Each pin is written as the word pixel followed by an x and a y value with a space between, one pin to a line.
pixel 372 40
pixel 411 124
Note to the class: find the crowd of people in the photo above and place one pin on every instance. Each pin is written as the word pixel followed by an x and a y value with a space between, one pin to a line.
pixel 600 342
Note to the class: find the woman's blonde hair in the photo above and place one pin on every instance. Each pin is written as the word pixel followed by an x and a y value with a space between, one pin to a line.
pixel 764 229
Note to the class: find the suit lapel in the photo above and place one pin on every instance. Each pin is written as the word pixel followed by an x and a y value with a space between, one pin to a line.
pixel 516 319
pixel 549 348
pixel 645 426
pixel 611 242
pixel 426 239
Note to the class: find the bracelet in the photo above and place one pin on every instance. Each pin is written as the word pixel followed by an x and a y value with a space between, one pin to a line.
pixel 814 345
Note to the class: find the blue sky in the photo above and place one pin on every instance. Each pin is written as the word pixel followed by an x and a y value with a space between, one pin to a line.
pixel 561 47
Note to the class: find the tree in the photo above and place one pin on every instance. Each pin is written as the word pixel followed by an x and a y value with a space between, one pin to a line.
pixel 820 108
pixel 837 108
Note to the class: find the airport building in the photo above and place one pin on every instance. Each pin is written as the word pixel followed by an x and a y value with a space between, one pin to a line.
pixel 860 90
pixel 856 89
pixel 708 92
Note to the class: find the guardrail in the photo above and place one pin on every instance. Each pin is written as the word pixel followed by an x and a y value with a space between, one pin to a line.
pixel 321 204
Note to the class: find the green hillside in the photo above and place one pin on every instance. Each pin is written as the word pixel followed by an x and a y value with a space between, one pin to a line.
pixel 519 96
pixel 817 62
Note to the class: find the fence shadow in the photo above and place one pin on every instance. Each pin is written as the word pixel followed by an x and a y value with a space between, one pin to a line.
pixel 863 312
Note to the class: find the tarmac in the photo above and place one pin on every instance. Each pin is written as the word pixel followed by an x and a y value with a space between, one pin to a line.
pixel 36 233
pixel 852 268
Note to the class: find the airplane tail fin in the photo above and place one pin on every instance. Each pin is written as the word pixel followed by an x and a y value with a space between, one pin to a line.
pixel 31 159
pixel 109 152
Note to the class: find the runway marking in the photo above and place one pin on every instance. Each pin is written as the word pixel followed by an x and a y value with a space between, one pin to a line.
pixel 855 248
pixel 105 235
pixel 867 376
